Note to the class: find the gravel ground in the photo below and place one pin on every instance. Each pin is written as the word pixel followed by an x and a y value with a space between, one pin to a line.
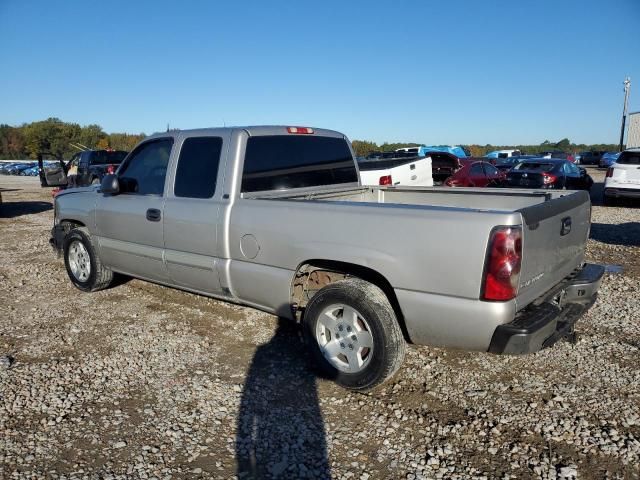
pixel 141 381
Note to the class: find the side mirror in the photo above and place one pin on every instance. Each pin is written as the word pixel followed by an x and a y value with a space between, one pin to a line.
pixel 110 184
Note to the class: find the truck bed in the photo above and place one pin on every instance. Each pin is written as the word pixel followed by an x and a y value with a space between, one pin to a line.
pixel 455 216
pixel 496 199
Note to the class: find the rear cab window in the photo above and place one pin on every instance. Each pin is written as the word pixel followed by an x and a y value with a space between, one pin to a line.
pixel 197 171
pixel 629 158
pixel 281 162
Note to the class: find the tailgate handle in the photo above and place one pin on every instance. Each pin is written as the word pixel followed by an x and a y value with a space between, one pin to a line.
pixel 566 226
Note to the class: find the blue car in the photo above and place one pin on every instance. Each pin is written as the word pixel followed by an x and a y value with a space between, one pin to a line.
pixel 608 159
pixel 30 172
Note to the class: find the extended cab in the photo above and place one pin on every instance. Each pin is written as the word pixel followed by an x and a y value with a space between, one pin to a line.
pixel 276 218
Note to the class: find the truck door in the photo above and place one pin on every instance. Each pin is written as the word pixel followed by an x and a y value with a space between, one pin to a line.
pixel 84 177
pixel 192 211
pixel 129 224
pixel 53 175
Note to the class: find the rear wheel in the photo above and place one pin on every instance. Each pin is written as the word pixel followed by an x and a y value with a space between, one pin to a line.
pixel 608 201
pixel 83 265
pixel 354 336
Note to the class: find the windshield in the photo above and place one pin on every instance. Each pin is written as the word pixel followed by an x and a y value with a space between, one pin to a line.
pixel 542 167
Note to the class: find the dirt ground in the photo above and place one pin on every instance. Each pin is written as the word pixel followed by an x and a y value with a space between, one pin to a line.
pixel 143 381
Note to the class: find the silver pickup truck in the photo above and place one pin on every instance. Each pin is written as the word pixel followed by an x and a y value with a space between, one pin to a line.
pixel 276 218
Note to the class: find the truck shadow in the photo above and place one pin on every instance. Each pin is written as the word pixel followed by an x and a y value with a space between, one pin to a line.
pixel 596 193
pixel 17 209
pixel 627 234
pixel 280 431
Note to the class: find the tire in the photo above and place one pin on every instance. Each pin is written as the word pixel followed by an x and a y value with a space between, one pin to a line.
pixel 608 201
pixel 79 252
pixel 374 322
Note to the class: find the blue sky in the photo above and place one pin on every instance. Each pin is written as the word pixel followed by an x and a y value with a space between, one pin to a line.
pixel 460 71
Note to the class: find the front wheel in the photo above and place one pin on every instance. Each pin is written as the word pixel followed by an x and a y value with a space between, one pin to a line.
pixel 83 265
pixel 354 335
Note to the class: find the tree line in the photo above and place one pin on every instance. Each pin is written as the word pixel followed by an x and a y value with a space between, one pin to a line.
pixel 53 138
pixel 363 147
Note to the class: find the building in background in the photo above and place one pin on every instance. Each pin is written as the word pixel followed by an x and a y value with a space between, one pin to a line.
pixel 633 132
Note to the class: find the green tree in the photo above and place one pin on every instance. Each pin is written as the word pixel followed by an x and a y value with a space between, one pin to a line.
pixel 51 137
pixel 90 135
pixel 363 147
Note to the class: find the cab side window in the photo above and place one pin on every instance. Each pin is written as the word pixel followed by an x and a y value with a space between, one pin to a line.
pixel 198 167
pixel 145 170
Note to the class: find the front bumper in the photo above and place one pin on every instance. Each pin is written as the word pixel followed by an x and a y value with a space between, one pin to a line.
pixel 57 237
pixel 553 317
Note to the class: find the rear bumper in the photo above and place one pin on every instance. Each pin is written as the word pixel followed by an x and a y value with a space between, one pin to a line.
pixel 540 326
pixel 622 192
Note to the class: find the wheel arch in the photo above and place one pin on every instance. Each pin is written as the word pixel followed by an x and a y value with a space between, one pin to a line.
pixel 71 223
pixel 314 274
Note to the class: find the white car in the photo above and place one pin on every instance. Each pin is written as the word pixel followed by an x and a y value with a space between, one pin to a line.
pixel 623 177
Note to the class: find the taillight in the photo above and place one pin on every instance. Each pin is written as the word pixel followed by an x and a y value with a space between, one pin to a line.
pixel 300 130
pixel 502 269
pixel 111 169
pixel 385 180
pixel 610 172
pixel 547 178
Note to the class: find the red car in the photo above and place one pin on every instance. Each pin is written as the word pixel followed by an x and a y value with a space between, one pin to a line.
pixel 476 174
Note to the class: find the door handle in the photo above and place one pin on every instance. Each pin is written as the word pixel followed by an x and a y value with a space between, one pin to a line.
pixel 153 215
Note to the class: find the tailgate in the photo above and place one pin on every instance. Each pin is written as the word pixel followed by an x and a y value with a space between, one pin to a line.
pixel 554 234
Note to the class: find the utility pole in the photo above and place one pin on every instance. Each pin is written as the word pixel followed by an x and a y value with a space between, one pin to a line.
pixel 627 87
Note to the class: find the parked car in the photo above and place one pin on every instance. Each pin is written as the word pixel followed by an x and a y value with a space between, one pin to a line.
pixel 275 218
pixel 549 173
pixel 31 171
pixel 17 168
pixel 557 154
pixel 623 177
pixel 589 158
pixel 503 154
pixel 92 166
pixel 476 174
pixel 608 159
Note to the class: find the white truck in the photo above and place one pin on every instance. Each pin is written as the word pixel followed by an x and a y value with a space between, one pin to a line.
pixel 408 168
pixel 397 171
